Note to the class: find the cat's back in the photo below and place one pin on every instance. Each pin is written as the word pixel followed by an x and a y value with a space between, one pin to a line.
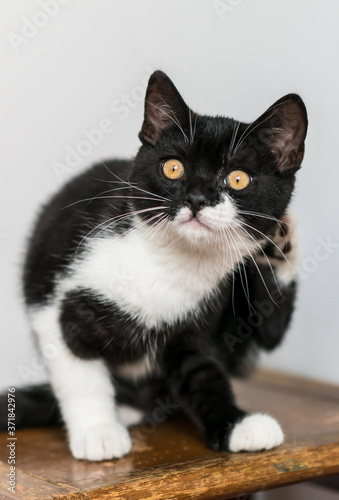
pixel 84 203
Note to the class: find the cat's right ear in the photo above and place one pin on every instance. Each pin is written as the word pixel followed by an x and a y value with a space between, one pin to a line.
pixel 163 107
pixel 283 129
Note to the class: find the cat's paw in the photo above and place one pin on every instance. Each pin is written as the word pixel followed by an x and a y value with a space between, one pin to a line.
pixel 100 442
pixel 255 432
pixel 282 251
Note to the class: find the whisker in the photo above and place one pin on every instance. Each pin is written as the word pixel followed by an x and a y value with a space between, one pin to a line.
pixel 136 187
pixel 241 262
pixel 228 242
pixel 112 221
pixel 144 222
pixel 244 135
pixel 262 216
pixel 154 230
pixel 234 135
pixel 174 120
pixel 260 273
pixel 270 241
pixel 264 254
pixel 112 182
pixel 190 121
pixel 129 214
pixel 110 197
pixel 195 127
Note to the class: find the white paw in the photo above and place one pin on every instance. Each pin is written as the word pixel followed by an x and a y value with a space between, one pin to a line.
pixel 256 432
pixel 100 442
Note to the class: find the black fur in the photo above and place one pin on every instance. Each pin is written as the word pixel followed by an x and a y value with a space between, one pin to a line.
pixel 63 222
pixel 197 355
pixel 34 406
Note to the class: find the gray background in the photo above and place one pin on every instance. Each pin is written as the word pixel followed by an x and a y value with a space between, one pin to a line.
pixel 89 61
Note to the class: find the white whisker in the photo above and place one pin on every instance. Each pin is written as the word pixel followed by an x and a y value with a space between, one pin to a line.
pixel 133 186
pixel 264 254
pixel 111 221
pixel 241 262
pixel 257 268
pixel 109 198
pixel 270 241
pixel 234 135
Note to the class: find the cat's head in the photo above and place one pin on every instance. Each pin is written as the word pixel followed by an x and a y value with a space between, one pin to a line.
pixel 206 179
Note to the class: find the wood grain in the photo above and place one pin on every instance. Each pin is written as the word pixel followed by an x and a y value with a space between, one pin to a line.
pixel 170 460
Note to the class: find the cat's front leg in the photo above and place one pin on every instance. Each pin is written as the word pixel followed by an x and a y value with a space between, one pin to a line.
pixel 199 381
pixel 88 409
pixel 84 391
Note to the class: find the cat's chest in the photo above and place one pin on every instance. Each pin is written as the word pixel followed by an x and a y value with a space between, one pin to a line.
pixel 152 284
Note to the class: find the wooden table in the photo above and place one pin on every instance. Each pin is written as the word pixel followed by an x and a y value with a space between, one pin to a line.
pixel 170 460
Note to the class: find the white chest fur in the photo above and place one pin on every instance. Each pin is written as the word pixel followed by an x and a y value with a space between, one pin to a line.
pixel 153 283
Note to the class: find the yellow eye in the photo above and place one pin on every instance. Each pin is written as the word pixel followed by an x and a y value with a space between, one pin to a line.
pixel 238 180
pixel 173 169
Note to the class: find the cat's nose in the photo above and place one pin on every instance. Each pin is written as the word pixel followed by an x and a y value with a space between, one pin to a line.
pixel 195 201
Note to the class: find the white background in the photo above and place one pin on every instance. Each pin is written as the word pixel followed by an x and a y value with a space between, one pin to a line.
pixel 235 59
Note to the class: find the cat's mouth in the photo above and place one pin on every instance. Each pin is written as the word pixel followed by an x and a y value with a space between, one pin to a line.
pixel 191 224
pixel 195 223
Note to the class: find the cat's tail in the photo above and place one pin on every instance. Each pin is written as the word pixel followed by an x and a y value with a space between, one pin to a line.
pixel 32 406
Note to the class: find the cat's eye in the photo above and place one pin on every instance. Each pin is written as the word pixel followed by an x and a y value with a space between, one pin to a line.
pixel 173 169
pixel 238 179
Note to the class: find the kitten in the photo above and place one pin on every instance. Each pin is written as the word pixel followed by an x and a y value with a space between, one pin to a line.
pixel 154 280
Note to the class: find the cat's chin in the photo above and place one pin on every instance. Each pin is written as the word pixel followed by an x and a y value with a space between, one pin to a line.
pixel 194 231
pixel 191 228
pixel 195 226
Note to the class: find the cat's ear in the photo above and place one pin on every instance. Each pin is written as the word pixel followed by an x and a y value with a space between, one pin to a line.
pixel 163 107
pixel 283 129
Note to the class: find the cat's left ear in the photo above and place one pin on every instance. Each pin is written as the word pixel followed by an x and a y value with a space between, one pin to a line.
pixel 283 129
pixel 164 107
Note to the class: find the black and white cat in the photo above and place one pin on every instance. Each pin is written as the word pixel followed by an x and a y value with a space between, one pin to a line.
pixel 156 279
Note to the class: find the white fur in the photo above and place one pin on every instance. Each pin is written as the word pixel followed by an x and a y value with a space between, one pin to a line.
pixel 84 391
pixel 102 442
pixel 129 416
pixel 212 219
pixel 155 280
pixel 256 432
pixel 152 284
pixel 163 279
